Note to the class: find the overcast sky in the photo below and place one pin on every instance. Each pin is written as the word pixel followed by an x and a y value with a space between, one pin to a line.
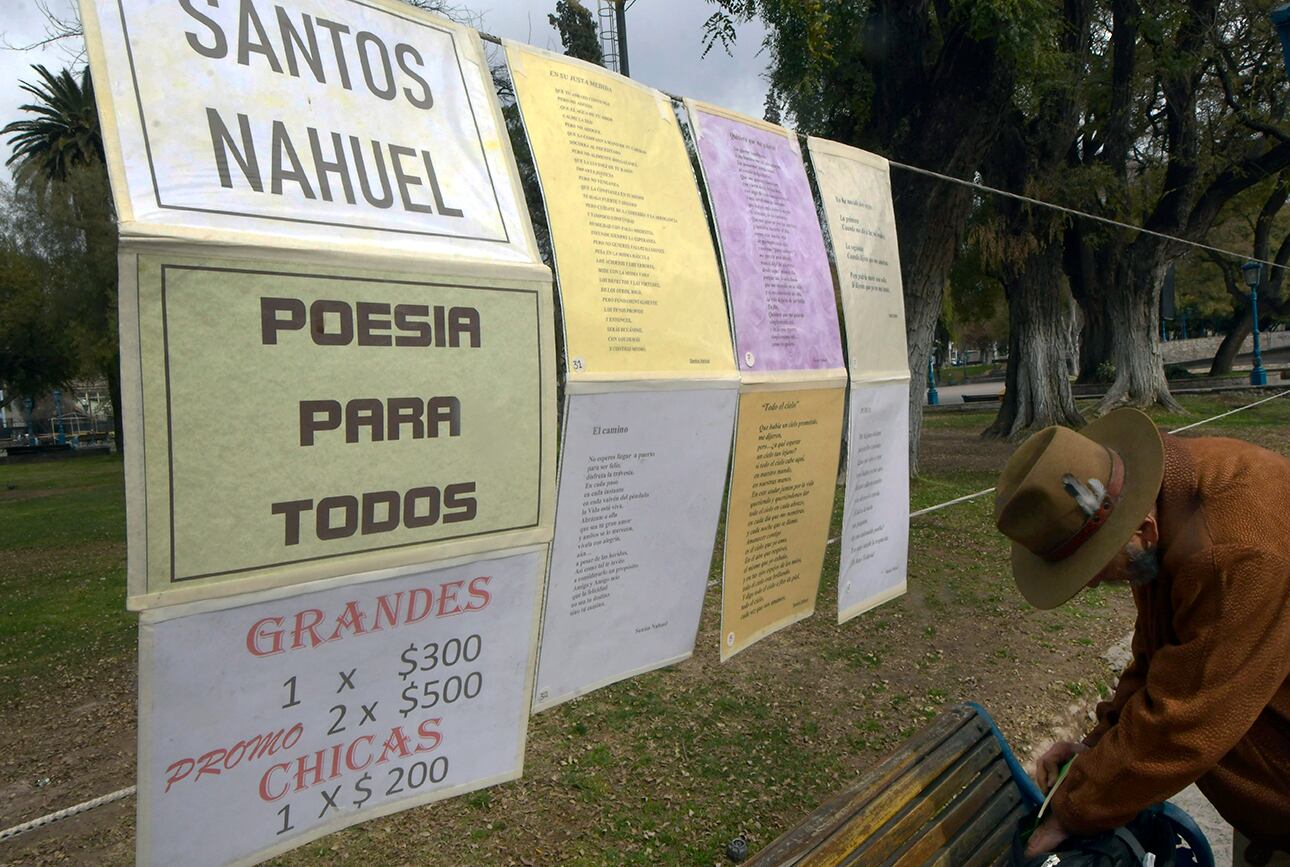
pixel 664 42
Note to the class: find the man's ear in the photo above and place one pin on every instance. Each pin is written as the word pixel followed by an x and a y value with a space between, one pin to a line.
pixel 1149 532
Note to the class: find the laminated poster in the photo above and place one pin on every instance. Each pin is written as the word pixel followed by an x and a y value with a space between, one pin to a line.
pixel 856 189
pixel 782 482
pixel 642 474
pixel 639 284
pixel 266 725
pixel 348 124
pixel 292 423
pixel 875 519
pixel 777 270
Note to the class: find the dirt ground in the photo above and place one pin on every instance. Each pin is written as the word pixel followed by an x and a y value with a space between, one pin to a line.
pixel 669 766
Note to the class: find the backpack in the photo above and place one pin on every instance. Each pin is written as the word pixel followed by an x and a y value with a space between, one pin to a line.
pixel 1128 846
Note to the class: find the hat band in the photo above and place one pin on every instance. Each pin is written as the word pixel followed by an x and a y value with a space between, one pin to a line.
pixel 1095 521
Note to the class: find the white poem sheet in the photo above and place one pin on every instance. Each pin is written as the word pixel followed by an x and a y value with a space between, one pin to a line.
pixel 875 517
pixel 351 124
pixel 640 491
pixel 268 724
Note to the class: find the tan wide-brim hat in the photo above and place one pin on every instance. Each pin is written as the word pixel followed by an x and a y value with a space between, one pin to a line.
pixel 1033 510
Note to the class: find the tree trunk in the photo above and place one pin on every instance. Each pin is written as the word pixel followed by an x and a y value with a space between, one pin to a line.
pixel 1231 345
pixel 931 217
pixel 1118 290
pixel 1085 269
pixel 1038 392
pixel 1074 328
pixel 112 371
pixel 1132 316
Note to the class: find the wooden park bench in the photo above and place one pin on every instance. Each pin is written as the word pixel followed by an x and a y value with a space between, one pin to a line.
pixel 21 454
pixel 951 795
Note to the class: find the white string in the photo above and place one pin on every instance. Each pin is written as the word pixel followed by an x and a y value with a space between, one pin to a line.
pixel 488 37
pixel 948 503
pixel 8 834
pixel 1231 412
pixel 966 498
pixel 119 794
pixel 1076 213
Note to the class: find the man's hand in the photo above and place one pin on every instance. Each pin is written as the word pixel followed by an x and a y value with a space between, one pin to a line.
pixel 1047 836
pixel 1050 763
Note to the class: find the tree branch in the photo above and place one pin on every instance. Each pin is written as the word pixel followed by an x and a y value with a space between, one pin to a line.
pixel 1235 179
pixel 1241 112
pixel 1229 275
pixel 1263 225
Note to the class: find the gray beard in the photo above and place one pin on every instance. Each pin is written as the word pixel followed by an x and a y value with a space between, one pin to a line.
pixel 1144 567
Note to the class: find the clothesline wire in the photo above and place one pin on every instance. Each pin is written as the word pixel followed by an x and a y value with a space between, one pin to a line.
pixel 120 794
pixel 1084 214
pixel 1030 200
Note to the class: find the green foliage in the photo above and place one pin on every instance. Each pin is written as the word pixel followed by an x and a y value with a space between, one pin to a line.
pixel 63 134
pixel 1106 372
pixel 62 213
pixel 975 309
pixel 772 113
pixel 578 32
pixel 65 226
pixel 827 56
pixel 36 353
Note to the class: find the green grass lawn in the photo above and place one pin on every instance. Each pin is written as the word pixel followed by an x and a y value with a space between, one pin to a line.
pixel 662 768
pixel 957 375
pixel 62 569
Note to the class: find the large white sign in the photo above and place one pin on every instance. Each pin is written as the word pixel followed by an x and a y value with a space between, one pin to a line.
pixel 875 517
pixel 266 725
pixel 359 123
pixel 639 498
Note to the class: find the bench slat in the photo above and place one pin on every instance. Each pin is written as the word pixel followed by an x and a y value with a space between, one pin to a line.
pixel 968 805
pixel 999 842
pixel 991 827
pixel 922 818
pixel 900 793
pixel 790 846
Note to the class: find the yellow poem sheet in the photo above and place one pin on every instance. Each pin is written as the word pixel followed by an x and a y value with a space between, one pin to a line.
pixel 297 422
pixel 855 187
pixel 638 278
pixel 777 522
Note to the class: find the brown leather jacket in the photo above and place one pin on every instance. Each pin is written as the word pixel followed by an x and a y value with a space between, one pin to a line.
pixel 1206 697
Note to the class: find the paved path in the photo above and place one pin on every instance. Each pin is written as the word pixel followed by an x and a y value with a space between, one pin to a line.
pixel 954 393
pixel 1215 828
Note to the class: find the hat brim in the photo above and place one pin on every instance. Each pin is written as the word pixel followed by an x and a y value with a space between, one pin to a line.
pixel 1046 584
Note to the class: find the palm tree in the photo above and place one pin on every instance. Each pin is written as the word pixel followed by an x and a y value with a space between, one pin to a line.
pixel 65 132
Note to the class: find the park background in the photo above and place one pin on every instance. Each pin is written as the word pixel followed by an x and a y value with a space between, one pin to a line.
pixel 1167 115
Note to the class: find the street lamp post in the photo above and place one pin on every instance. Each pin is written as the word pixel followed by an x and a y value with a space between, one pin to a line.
pixel 1251 271
pixel 933 399
pixel 58 411
pixel 1281 21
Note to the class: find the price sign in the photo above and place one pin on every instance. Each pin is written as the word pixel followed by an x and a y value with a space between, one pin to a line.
pixel 286 718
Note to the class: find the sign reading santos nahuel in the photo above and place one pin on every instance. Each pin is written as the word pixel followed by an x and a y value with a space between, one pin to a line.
pixel 364 122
